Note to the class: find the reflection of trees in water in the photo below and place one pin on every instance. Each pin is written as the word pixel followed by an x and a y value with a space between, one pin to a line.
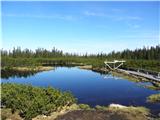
pixel 149 85
pixel 6 74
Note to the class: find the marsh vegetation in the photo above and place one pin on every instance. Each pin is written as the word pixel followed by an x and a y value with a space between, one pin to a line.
pixel 30 101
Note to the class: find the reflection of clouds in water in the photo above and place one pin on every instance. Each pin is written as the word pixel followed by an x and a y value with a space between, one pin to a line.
pixel 144 83
pixel 109 76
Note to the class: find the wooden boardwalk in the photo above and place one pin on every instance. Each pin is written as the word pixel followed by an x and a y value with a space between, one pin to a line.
pixel 148 76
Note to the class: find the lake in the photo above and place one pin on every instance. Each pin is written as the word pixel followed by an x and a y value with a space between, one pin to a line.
pixel 90 87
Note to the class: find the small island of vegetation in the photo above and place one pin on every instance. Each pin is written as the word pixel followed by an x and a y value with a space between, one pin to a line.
pixel 155 98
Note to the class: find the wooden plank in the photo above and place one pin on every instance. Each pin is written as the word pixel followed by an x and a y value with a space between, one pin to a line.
pixel 151 77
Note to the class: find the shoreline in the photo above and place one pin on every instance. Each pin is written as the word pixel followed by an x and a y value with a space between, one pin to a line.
pixel 23 71
pixel 116 110
pixel 116 73
pixel 125 75
pixel 30 68
pixel 102 108
pixel 119 73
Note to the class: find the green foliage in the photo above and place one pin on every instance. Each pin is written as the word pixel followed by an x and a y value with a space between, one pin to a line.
pixel 98 107
pixel 32 101
pixel 151 53
pixel 13 62
pixel 155 98
pixel 84 106
pixel 152 65
pixel 146 58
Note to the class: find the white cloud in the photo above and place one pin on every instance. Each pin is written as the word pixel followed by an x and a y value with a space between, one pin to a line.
pixel 89 13
pixel 127 18
pixel 112 16
pixel 54 16
pixel 133 25
pixel 134 18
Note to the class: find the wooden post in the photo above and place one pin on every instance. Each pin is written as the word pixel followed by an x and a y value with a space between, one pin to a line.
pixel 158 74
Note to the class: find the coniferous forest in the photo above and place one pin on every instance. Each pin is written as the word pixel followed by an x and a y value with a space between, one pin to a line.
pixel 147 58
pixel 146 53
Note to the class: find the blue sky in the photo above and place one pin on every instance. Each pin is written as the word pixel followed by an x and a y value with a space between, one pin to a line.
pixel 80 27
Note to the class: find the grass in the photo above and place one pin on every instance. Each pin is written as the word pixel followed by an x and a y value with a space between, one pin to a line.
pixel 128 113
pixel 151 65
pixel 129 77
pixel 34 68
pixel 29 68
pixel 6 113
pixel 81 110
pixel 121 108
pixel 132 110
pixel 153 87
pixel 155 98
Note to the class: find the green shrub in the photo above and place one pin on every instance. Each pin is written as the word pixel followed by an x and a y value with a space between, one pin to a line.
pixel 98 107
pixel 155 98
pixel 32 101
pixel 84 106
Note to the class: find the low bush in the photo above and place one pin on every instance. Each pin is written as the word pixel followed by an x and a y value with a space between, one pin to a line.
pixel 84 106
pixel 31 101
pixel 155 98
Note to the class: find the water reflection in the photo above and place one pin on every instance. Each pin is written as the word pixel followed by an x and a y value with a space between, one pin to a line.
pixel 110 76
pixel 6 74
pixel 149 85
pixel 87 86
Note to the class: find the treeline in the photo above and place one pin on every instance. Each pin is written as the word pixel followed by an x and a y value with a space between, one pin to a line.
pixel 149 53
pixel 145 58
pixel 27 53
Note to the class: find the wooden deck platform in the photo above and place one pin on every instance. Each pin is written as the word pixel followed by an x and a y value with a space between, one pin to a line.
pixel 148 76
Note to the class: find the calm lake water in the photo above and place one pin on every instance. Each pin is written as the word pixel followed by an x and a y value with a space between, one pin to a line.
pixel 90 87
